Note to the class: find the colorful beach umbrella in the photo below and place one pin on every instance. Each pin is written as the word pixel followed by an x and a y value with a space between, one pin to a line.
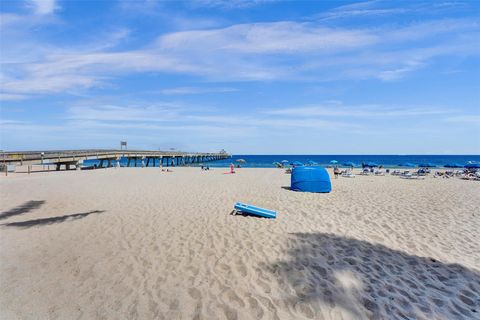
pixel 370 164
pixel 427 165
pixel 297 164
pixel 349 164
pixel 473 166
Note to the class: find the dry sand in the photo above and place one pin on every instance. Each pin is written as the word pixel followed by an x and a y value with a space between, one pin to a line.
pixel 136 243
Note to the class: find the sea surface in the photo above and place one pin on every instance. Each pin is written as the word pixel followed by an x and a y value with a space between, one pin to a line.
pixel 267 161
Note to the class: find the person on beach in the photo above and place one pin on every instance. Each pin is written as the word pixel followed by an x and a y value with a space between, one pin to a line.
pixel 336 172
pixel 232 168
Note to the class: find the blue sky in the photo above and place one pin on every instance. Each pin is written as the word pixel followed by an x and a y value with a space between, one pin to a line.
pixel 252 77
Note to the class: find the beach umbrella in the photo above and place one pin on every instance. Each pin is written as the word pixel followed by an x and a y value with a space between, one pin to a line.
pixel 241 160
pixel 349 164
pixel 427 165
pixel 473 166
pixel 284 161
pixel 311 163
pixel 370 164
pixel 297 164
pixel 334 162
pixel 407 164
pixel 453 165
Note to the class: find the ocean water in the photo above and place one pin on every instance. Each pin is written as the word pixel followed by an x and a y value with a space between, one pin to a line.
pixel 266 161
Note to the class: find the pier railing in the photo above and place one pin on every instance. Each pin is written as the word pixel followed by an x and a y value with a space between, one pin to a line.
pixel 74 156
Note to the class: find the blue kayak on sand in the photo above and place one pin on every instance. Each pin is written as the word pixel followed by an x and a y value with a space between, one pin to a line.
pixel 246 208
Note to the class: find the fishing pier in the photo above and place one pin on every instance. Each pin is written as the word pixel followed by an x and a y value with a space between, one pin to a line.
pixel 68 158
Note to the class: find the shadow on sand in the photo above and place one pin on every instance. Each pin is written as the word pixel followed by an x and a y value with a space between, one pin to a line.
pixel 24 208
pixel 244 214
pixel 52 220
pixel 372 281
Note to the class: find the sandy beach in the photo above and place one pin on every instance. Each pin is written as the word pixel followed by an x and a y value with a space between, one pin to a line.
pixel 138 243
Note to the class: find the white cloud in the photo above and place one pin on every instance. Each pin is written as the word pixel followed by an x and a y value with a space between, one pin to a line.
pixel 380 9
pixel 161 116
pixel 466 119
pixel 196 90
pixel 13 97
pixel 229 4
pixel 338 109
pixel 148 113
pixel 268 38
pixel 243 52
pixel 44 6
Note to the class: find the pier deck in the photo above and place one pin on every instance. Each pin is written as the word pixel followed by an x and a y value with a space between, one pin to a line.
pixel 76 157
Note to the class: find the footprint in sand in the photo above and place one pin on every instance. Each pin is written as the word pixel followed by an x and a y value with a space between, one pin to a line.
pixel 233 298
pixel 255 307
pixel 194 293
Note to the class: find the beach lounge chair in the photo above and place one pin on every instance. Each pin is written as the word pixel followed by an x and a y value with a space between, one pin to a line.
pixel 348 174
pixel 365 172
pixel 412 176
pixel 395 173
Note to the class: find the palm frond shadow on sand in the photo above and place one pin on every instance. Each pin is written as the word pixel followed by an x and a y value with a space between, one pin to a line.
pixel 372 281
pixel 22 209
pixel 51 220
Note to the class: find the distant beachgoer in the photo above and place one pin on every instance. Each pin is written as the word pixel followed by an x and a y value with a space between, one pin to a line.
pixel 232 168
pixel 336 172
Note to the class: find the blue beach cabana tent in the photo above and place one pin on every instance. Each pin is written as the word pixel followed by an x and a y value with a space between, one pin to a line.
pixel 310 179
